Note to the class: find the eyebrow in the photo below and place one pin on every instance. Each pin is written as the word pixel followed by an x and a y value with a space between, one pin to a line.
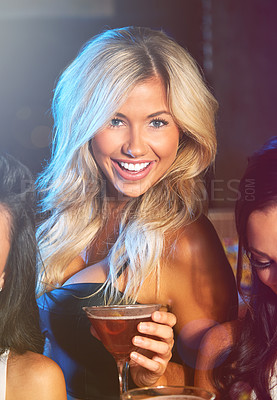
pixel 259 252
pixel 148 116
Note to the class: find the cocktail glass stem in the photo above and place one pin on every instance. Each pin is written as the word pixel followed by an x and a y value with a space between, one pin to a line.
pixel 123 369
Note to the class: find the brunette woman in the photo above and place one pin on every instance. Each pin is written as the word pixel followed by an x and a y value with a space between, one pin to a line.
pixel 238 359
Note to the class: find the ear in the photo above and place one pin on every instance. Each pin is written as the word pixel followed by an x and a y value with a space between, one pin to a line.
pixel 2 281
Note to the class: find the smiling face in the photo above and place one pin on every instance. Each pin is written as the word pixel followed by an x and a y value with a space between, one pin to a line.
pixel 5 225
pixel 262 243
pixel 140 143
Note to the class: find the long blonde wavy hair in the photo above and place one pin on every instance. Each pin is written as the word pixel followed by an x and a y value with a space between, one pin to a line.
pixel 74 206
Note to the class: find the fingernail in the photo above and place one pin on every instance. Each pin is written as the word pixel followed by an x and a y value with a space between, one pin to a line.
pixel 157 315
pixel 143 326
pixel 137 340
pixel 134 356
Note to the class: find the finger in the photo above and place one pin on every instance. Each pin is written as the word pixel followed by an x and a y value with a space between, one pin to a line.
pixel 163 332
pixel 156 365
pixel 163 317
pixel 155 346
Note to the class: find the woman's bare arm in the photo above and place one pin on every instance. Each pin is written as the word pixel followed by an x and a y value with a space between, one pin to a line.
pixel 215 342
pixel 200 287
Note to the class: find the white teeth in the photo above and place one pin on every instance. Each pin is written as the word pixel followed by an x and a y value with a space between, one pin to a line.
pixel 134 167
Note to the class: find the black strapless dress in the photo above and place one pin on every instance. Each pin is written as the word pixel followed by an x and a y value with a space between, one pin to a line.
pixel 89 369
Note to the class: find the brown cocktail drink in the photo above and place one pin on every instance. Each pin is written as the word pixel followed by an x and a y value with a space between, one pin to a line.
pixel 116 326
pixel 116 333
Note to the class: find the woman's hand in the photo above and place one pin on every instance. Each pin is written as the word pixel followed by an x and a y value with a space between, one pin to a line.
pixel 148 365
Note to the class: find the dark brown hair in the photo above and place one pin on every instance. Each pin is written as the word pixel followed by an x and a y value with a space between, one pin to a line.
pixel 253 355
pixel 19 318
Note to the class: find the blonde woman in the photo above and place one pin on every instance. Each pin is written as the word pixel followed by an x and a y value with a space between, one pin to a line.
pixel 123 200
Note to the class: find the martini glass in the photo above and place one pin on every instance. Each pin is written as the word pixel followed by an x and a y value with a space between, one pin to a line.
pixel 169 393
pixel 116 326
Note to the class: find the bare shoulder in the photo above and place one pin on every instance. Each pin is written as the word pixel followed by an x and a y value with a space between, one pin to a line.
pixel 198 249
pixel 32 376
pixel 199 236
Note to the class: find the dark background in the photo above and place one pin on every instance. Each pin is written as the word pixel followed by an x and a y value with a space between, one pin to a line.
pixel 234 42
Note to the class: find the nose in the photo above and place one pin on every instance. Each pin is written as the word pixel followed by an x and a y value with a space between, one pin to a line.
pixel 135 145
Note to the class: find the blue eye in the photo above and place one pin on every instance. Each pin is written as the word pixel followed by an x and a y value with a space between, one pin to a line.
pixel 158 123
pixel 115 122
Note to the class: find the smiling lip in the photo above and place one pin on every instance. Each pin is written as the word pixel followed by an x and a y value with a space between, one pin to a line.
pixel 133 171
